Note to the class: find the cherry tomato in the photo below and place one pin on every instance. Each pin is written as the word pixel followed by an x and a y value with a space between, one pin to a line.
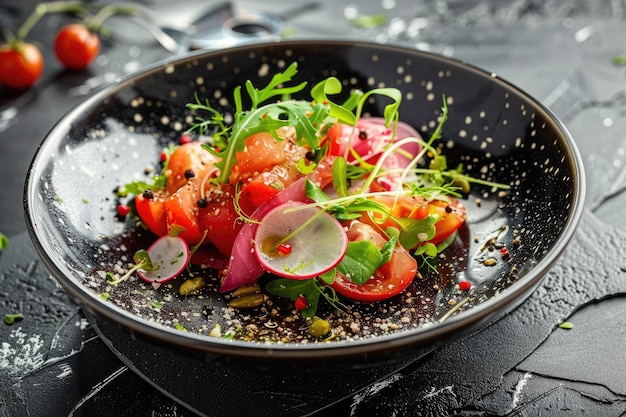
pixel 21 65
pixel 389 280
pixel 453 216
pixel 76 46
pixel 151 211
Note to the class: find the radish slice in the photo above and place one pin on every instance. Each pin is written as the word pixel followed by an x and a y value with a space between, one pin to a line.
pixel 315 249
pixel 378 137
pixel 170 255
pixel 244 267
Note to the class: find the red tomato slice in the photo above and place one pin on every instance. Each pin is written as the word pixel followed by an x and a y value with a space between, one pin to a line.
pixel 453 216
pixel 389 280
pixel 152 213
pixel 259 189
pixel 219 219
pixel 181 209
pixel 187 157
pixel 254 194
pixel 401 207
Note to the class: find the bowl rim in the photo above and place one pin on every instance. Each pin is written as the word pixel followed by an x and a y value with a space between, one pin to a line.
pixel 402 340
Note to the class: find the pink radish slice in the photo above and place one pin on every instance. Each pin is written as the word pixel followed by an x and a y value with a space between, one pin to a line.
pixel 378 137
pixel 244 267
pixel 315 249
pixel 170 254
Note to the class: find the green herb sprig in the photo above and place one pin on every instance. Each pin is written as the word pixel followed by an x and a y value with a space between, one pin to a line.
pixel 142 261
pixel 308 118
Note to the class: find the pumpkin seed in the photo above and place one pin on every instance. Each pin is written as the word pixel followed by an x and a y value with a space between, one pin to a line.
pixel 192 286
pixel 248 301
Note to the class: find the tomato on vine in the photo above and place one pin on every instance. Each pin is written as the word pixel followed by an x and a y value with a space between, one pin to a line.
pixel 21 65
pixel 75 46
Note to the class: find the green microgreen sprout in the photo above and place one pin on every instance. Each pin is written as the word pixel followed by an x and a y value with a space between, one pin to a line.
pixel 4 241
pixel 12 318
pixel 193 250
pixel 619 59
pixel 454 309
pixel 142 261
pixel 369 21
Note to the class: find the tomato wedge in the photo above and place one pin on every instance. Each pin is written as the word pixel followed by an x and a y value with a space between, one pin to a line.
pixel 389 280
pixel 399 206
pixel 219 219
pixel 152 213
pixel 181 210
pixel 259 189
pixel 453 215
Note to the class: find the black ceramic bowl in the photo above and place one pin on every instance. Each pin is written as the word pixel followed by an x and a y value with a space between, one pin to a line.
pixel 494 129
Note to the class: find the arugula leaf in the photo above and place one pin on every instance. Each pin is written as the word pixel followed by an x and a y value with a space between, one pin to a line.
pixel 138 187
pixel 272 89
pixel 315 193
pixel 320 93
pixel 304 116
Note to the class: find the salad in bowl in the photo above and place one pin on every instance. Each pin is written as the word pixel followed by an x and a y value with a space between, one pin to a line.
pixel 283 201
pixel 306 200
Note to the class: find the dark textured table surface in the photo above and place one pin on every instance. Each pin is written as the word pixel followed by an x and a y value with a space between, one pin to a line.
pixel 52 363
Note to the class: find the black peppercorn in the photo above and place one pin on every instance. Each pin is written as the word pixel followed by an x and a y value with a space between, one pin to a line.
pixel 189 174
pixel 202 203
pixel 362 134
pixel 148 195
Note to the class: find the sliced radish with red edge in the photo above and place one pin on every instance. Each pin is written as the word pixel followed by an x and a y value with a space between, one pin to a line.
pixel 169 254
pixel 317 248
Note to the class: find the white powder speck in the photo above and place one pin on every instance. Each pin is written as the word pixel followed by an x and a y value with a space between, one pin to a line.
pixel 66 370
pixel 21 353
pixel 519 388
pixel 82 324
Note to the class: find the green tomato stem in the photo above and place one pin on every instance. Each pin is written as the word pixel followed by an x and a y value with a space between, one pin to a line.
pixel 42 9
pixel 95 23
